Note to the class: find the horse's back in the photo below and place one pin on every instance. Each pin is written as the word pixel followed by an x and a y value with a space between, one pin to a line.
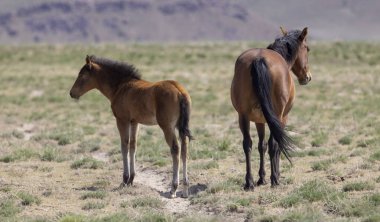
pixel 243 96
pixel 168 96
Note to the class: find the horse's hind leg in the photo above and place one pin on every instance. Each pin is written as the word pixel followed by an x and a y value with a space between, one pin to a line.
pixel 262 147
pixel 171 140
pixel 274 154
pixel 132 152
pixel 184 144
pixel 247 146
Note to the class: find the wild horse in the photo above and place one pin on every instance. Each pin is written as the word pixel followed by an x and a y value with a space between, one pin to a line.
pixel 135 101
pixel 263 91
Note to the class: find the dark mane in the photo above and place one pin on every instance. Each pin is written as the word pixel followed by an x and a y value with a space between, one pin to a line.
pixel 287 46
pixel 119 71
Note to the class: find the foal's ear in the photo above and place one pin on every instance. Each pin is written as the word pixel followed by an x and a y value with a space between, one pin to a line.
pixel 88 62
pixel 303 34
pixel 284 32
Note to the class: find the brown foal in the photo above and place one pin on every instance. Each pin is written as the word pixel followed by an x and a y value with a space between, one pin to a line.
pixel 135 101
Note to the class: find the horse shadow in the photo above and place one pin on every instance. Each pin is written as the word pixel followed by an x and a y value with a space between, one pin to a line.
pixel 193 190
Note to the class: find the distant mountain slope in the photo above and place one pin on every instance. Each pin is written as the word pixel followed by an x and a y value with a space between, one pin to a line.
pixel 61 21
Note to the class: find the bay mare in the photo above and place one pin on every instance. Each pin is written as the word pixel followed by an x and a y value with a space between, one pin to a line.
pixel 263 92
pixel 135 101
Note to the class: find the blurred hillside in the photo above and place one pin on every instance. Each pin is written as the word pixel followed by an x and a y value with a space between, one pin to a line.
pixel 58 21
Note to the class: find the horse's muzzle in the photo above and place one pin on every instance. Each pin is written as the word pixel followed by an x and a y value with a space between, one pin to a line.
pixel 72 95
pixel 306 80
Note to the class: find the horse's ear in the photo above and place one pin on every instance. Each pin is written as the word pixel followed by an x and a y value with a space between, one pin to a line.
pixel 88 62
pixel 303 34
pixel 284 32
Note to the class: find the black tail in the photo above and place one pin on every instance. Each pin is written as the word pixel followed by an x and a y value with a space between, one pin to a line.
pixel 184 118
pixel 261 82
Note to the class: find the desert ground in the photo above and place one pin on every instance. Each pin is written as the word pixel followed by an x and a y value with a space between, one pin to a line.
pixel 60 159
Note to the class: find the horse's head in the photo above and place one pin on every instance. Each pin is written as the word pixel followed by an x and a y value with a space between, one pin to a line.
pixel 85 80
pixel 301 64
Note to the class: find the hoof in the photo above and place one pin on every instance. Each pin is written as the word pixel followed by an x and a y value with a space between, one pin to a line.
pixel 261 182
pixel 274 182
pixel 172 195
pixel 249 187
pixel 121 186
pixel 185 194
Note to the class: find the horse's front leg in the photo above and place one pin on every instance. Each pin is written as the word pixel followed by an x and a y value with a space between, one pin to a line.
pixel 132 151
pixel 124 128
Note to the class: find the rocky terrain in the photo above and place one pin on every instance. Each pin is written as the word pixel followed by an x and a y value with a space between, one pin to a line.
pixel 94 21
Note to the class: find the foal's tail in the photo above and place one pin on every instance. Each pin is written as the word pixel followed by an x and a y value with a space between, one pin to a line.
pixel 261 82
pixel 184 118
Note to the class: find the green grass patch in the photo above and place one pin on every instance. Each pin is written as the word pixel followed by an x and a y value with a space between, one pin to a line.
pixel 149 202
pixel 231 184
pixel 72 218
pixel 101 184
pixel 212 164
pixel 346 140
pixel 155 217
pixel 303 215
pixel 358 186
pixel 87 163
pixel 224 145
pixel 64 137
pixel 8 208
pixel 375 156
pixel 99 194
pixel 319 139
pixel 28 199
pixel 325 164
pixel 321 165
pixel 20 154
pixel 51 154
pixel 93 206
pixel 116 217
pixel 90 145
pixel 311 191
pixel 315 152
pixel 352 207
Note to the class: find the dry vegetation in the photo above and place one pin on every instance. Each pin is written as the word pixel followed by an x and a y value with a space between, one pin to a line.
pixel 60 159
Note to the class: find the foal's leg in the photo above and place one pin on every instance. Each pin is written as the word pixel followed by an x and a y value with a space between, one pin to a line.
pixel 124 127
pixel 171 140
pixel 274 154
pixel 184 144
pixel 262 147
pixel 132 151
pixel 244 124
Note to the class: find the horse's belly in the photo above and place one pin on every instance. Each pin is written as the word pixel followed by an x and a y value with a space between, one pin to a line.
pixel 148 121
pixel 257 115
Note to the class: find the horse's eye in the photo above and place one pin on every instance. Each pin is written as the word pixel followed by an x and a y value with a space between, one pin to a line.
pixel 308 49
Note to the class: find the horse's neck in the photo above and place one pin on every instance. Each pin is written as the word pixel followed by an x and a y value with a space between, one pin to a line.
pixel 104 86
pixel 106 91
pixel 112 93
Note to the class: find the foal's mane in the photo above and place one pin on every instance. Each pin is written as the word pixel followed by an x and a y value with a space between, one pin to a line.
pixel 287 45
pixel 119 72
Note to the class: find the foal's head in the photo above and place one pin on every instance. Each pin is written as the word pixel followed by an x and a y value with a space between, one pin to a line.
pixel 85 80
pixel 293 47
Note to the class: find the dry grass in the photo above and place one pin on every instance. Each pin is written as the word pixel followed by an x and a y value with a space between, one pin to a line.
pixel 62 157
